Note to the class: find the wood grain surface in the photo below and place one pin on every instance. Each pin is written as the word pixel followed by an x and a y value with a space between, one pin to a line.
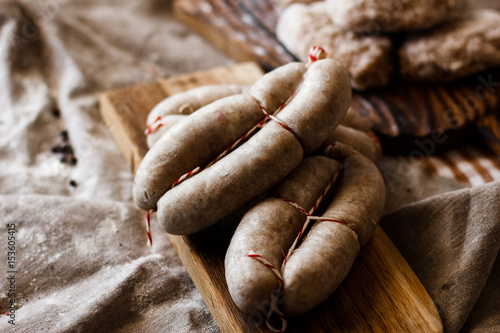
pixel 380 294
pixel 245 30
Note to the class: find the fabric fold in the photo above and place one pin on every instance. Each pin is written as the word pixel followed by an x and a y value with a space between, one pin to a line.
pixel 451 241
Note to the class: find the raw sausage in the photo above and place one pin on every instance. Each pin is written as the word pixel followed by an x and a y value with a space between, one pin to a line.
pixel 269 229
pixel 329 250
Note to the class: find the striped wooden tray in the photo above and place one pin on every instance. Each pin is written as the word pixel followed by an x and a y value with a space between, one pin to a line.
pixel 245 30
pixel 471 164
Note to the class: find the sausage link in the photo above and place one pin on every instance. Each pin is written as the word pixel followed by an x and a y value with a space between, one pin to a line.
pixel 361 141
pixel 355 120
pixel 249 171
pixel 194 142
pixel 164 124
pixel 329 250
pixel 269 228
pixel 320 103
pixel 189 101
pixel 276 87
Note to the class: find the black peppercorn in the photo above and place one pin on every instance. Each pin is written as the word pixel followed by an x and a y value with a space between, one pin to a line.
pixel 64 135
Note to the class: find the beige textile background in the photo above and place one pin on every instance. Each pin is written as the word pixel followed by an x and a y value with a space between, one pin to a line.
pixel 83 264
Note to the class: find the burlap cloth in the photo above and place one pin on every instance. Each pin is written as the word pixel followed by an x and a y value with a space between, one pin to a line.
pixel 82 260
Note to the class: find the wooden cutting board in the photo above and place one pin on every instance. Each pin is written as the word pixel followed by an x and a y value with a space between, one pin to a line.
pixel 380 294
pixel 245 30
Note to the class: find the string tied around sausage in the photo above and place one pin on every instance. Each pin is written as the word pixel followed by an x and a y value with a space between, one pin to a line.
pixel 148 226
pixel 274 297
pixel 309 215
pixel 154 126
pixel 279 273
pixel 196 170
pixel 315 53
pixel 259 125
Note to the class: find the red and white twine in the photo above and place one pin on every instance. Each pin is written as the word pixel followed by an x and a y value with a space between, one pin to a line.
pixel 186 176
pixel 274 297
pixel 266 263
pixel 259 125
pixel 329 148
pixel 154 126
pixel 233 146
pixel 196 170
pixel 244 137
pixel 148 226
pixel 310 216
pixel 279 273
pixel 316 53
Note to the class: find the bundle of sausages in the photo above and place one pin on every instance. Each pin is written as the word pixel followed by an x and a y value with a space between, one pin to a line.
pixel 189 198
pixel 216 148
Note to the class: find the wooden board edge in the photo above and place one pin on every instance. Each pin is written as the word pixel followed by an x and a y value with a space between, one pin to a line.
pixel 246 66
pixel 383 242
pixel 203 284
pixel 115 126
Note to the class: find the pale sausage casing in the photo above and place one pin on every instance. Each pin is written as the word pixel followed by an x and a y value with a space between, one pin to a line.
pixel 326 255
pixel 200 201
pixel 320 103
pixel 365 143
pixel 191 100
pixel 193 143
pixel 167 122
pixel 269 229
pixel 275 88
